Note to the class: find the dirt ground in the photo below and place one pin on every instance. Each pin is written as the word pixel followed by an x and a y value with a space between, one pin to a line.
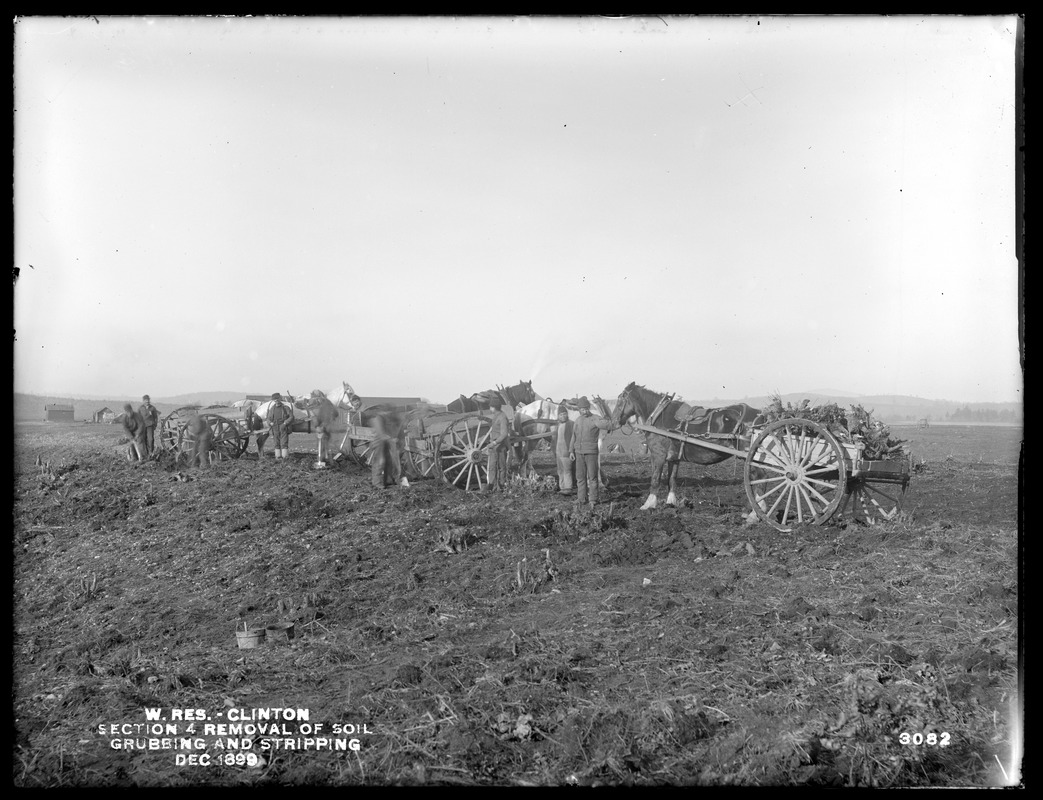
pixel 444 637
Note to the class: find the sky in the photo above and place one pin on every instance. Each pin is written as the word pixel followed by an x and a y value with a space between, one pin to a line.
pixel 720 207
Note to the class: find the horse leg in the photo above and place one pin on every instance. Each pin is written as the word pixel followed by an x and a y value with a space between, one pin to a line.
pixel 657 474
pixel 672 468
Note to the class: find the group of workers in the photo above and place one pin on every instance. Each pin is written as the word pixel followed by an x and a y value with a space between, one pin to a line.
pixel 575 447
pixel 575 444
pixel 140 427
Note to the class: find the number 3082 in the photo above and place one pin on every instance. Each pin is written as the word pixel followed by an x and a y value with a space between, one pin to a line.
pixel 932 739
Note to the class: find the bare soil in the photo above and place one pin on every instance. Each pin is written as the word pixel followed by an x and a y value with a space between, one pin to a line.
pixel 511 639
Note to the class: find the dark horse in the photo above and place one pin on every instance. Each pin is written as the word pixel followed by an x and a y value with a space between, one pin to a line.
pixel 679 417
pixel 511 396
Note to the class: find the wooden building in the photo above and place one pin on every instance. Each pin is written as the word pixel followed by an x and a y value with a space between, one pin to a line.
pixel 105 415
pixel 58 412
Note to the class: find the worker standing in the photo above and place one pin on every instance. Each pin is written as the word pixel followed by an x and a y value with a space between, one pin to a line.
pixel 151 417
pixel 280 418
pixel 499 435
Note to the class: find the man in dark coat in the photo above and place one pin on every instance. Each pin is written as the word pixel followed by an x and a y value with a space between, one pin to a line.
pixel 151 416
pixel 560 445
pixel 134 426
pixel 499 437
pixel 280 418
pixel 584 451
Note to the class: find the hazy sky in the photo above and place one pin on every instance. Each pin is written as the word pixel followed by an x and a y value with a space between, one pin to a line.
pixel 718 207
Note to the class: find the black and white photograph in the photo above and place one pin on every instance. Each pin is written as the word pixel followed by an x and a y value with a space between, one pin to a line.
pixel 537 401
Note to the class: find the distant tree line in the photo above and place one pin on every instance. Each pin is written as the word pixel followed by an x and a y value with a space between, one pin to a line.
pixel 968 414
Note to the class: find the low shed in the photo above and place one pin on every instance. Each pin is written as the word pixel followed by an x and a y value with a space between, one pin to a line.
pixel 58 412
pixel 105 415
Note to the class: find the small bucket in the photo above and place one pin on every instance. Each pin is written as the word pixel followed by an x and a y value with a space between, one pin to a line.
pixel 280 631
pixel 249 639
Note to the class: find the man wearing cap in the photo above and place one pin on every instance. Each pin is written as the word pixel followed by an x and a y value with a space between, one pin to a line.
pixel 561 444
pixel 584 451
pixel 280 418
pixel 499 434
pixel 134 426
pixel 151 416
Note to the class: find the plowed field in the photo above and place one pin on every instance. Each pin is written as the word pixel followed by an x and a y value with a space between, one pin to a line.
pixel 445 637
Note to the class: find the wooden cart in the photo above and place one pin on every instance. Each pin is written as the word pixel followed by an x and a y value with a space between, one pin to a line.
pixel 450 446
pixel 228 426
pixel 230 436
pixel 797 472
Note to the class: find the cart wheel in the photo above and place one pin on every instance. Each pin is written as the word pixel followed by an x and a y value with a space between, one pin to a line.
pixel 170 432
pixel 361 451
pixel 459 456
pixel 871 502
pixel 796 472
pixel 228 441
pixel 422 463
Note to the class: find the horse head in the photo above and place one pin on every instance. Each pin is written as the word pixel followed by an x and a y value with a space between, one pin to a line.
pixel 626 405
pixel 343 396
pixel 525 392
pixel 521 394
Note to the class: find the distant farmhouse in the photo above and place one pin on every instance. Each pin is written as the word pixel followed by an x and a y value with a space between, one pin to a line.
pixel 58 412
pixel 106 415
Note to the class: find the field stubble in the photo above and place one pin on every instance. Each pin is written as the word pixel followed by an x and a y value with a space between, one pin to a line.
pixel 512 639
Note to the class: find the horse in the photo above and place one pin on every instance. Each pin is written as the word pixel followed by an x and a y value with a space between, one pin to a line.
pixel 324 412
pixel 512 396
pixel 538 419
pixel 393 420
pixel 675 415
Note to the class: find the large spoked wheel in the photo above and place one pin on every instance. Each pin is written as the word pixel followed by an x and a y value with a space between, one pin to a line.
pixel 228 440
pixel 170 432
pixel 460 456
pixel 361 451
pixel 796 473
pixel 421 462
pixel 871 502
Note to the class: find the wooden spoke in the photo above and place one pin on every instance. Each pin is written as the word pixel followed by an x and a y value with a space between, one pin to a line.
pixel 459 455
pixel 869 503
pixel 801 462
pixel 421 461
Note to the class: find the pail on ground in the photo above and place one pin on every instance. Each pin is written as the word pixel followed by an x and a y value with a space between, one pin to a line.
pixel 249 638
pixel 279 630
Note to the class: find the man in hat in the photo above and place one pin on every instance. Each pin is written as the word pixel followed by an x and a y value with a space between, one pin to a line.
pixel 151 416
pixel 561 444
pixel 584 451
pixel 134 427
pixel 280 420
pixel 499 435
